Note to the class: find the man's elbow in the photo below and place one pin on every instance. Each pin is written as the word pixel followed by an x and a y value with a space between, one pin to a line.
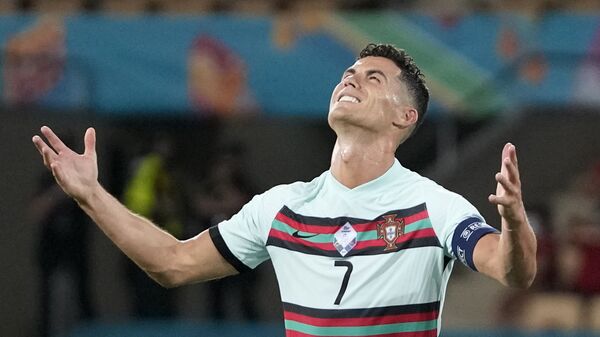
pixel 166 280
pixel 523 283
pixel 169 285
pixel 522 280
pixel 169 273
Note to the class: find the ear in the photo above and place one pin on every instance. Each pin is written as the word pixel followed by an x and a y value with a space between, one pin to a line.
pixel 406 116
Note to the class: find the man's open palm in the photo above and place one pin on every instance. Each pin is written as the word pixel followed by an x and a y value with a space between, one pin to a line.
pixel 75 173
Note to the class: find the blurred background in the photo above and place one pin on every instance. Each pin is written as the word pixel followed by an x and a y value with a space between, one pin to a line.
pixel 200 104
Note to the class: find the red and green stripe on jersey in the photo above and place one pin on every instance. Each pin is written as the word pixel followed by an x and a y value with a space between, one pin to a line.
pixel 414 320
pixel 315 235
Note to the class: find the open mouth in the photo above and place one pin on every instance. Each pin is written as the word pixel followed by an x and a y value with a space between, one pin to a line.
pixel 351 99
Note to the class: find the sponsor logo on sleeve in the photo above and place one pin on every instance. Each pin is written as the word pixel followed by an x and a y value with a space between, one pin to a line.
pixel 468 231
pixel 461 255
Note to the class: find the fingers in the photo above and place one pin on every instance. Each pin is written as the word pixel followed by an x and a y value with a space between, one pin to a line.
pixel 509 187
pixel 508 179
pixel 508 191
pixel 513 155
pixel 511 171
pixel 498 200
pixel 510 194
pixel 90 142
pixel 47 153
pixel 53 139
pixel 509 151
pixel 57 172
pixel 39 144
pixel 509 165
pixel 506 150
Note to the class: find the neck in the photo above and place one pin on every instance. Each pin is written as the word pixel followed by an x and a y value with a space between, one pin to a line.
pixel 357 160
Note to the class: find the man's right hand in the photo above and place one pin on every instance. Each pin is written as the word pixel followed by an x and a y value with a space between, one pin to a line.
pixel 167 260
pixel 76 174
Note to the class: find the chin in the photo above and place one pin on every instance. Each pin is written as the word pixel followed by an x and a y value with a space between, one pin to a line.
pixel 337 115
pixel 342 119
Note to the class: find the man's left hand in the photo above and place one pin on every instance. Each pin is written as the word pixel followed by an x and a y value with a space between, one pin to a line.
pixel 508 190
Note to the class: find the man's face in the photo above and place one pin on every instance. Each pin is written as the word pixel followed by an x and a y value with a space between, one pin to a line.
pixel 369 95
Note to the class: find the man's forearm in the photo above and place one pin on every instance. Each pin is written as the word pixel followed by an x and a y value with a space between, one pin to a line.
pixel 517 251
pixel 147 245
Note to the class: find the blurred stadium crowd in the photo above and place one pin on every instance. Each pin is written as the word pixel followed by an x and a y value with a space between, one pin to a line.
pixel 269 6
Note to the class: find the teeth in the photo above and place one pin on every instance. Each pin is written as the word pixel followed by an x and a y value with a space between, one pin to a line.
pixel 348 99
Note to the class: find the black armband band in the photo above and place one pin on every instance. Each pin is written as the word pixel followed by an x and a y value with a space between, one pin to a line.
pixel 465 237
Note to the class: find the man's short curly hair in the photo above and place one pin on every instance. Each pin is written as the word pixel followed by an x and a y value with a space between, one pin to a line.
pixel 411 75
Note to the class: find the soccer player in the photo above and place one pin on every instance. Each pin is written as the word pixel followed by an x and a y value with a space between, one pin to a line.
pixel 364 249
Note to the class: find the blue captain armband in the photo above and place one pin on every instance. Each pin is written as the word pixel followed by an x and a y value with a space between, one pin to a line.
pixel 465 237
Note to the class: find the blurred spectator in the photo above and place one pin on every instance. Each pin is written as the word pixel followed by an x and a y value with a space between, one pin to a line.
pixel 584 240
pixel 222 194
pixel 34 61
pixel 583 237
pixel 587 80
pixel 151 193
pixel 36 69
pixel 579 201
pixel 578 213
pixel 62 258
pixel 217 79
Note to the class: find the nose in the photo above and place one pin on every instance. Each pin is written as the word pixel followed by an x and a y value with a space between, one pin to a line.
pixel 350 81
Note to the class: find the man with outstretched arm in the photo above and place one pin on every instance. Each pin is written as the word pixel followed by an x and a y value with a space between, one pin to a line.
pixel 364 249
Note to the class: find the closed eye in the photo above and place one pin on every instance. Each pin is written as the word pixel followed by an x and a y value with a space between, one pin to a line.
pixel 377 75
pixel 375 78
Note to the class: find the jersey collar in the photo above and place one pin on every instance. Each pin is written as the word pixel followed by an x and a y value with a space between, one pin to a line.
pixel 385 180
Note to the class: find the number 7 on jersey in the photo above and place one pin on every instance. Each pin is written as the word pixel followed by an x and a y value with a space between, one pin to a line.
pixel 348 265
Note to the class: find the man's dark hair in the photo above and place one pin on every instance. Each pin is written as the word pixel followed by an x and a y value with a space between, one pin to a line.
pixel 411 75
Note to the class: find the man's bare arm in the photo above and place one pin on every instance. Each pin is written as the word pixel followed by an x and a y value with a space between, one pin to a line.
pixel 169 261
pixel 509 257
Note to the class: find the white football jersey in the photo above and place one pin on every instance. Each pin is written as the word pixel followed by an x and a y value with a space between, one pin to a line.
pixel 372 260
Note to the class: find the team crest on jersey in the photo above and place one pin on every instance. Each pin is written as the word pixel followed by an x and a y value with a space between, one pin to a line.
pixel 390 229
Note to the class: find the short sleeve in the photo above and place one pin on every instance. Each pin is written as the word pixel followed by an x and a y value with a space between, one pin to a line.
pixel 241 239
pixel 463 228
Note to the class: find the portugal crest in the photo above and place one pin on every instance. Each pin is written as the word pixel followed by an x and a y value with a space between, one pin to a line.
pixel 390 229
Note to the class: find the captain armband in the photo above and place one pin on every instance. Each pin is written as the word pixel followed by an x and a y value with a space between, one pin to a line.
pixel 465 237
